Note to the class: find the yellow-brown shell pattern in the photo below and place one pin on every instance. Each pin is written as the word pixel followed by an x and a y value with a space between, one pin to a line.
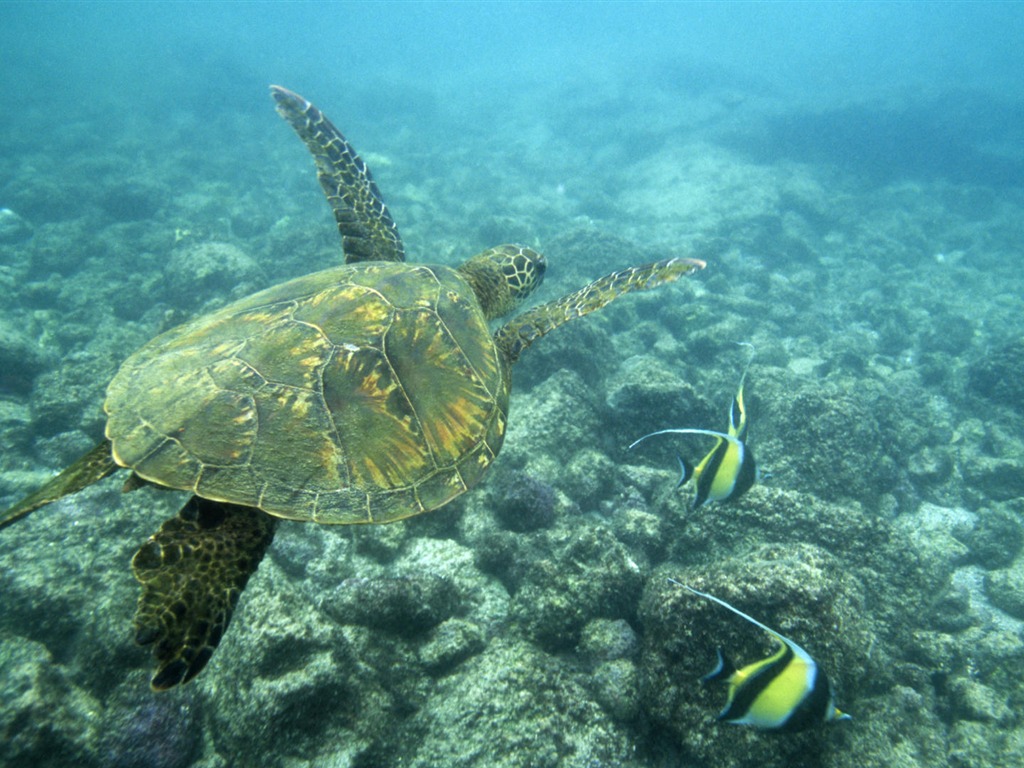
pixel 361 394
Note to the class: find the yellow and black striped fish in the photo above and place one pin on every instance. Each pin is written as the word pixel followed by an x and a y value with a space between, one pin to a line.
pixel 729 469
pixel 785 692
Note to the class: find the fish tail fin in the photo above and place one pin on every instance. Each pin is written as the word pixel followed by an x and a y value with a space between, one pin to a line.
pixel 723 669
pixel 685 471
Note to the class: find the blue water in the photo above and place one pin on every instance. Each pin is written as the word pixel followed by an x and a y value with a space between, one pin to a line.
pixel 853 174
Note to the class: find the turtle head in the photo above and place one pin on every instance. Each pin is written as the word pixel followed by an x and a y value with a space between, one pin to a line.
pixel 503 276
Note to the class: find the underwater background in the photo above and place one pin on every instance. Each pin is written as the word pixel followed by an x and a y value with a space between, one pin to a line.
pixel 853 174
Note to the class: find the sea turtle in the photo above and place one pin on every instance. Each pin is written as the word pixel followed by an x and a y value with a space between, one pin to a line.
pixel 364 393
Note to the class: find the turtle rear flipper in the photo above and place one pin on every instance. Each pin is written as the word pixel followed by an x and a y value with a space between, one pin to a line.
pixel 92 467
pixel 192 571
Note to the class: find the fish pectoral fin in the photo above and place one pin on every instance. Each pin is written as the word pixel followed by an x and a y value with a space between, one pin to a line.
pixel 723 669
pixel 685 471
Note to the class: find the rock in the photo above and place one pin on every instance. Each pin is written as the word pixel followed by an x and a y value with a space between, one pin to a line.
pixel 46 721
pixel 646 395
pixel 607 639
pixel 588 576
pixel 155 731
pixel 996 376
pixel 836 446
pixel 936 532
pixel 524 502
pixel 932 464
pixel 976 701
pixel 997 537
pixel 550 424
pixel 589 478
pixel 451 642
pixel 15 428
pixel 198 272
pixel 62 449
pixel 132 200
pixel 21 360
pixel 405 605
pixel 998 478
pixel 798 590
pixel 511 706
pixel 617 688
pixel 1005 588
pixel 284 682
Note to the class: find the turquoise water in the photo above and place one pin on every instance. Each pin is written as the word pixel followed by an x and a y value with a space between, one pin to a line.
pixel 851 173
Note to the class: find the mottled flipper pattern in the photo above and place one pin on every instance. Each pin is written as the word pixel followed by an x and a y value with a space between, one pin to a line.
pixel 368 233
pixel 192 571
pixel 93 466
pixel 531 325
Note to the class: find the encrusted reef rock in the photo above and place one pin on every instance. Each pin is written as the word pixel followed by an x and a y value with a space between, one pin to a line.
pixel 1005 588
pixel 645 395
pixel 524 502
pixel 198 271
pixel 588 574
pixel 509 707
pixel 835 446
pixel 997 376
pixel 284 683
pixel 400 604
pixel 155 731
pixel 46 721
pixel 21 360
pixel 560 417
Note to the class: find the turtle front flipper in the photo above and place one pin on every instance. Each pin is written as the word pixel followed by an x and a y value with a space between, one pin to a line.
pixel 192 571
pixel 92 467
pixel 531 325
pixel 368 233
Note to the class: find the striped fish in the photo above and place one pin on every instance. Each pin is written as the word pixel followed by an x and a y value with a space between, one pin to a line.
pixel 785 692
pixel 729 469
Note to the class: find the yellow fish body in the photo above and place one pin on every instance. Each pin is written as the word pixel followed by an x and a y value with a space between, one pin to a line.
pixel 786 691
pixel 729 469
